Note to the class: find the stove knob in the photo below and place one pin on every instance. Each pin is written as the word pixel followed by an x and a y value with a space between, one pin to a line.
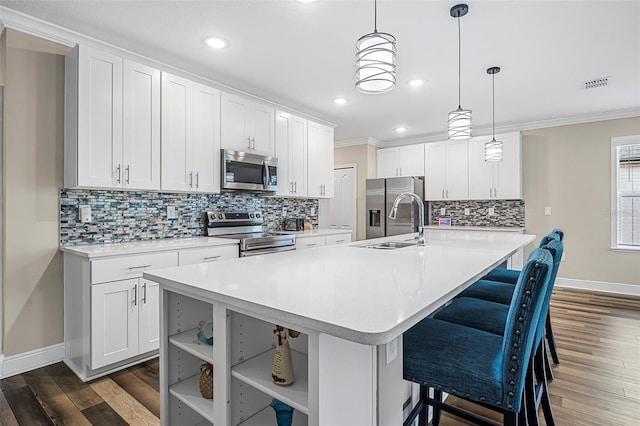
pixel 258 215
pixel 251 215
pixel 220 216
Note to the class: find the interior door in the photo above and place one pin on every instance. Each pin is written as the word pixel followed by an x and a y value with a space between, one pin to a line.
pixel 339 212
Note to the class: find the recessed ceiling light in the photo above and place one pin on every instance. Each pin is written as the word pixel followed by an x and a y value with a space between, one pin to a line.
pixel 306 1
pixel 340 101
pixel 216 42
pixel 401 129
pixel 416 83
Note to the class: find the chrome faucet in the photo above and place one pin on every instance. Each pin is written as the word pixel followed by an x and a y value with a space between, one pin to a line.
pixel 394 211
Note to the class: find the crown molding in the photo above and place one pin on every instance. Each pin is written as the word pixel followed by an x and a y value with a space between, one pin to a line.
pixel 507 128
pixel 360 141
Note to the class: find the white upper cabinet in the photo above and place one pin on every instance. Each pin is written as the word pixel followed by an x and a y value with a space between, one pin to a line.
pixel 291 151
pixel 112 122
pixel 247 126
pixel 501 179
pixel 320 161
pixel 446 170
pixel 401 161
pixel 190 135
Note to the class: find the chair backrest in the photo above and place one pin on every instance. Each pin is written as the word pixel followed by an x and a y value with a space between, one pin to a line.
pixel 559 232
pixel 522 323
pixel 556 248
pixel 552 236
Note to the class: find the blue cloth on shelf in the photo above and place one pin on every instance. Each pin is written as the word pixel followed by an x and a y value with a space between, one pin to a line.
pixel 284 412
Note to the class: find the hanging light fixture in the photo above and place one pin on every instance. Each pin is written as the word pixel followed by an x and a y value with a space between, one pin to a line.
pixel 460 119
pixel 493 148
pixel 375 60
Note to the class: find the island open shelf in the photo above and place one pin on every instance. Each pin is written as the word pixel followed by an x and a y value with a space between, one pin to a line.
pixel 188 342
pixel 188 391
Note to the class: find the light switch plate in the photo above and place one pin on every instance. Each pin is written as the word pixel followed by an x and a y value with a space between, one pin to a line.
pixel 171 212
pixel 547 211
pixel 313 211
pixel 467 211
pixel 443 211
pixel 85 214
pixel 492 211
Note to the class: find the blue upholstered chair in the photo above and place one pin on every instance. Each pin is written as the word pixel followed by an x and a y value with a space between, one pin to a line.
pixel 486 368
pixel 497 286
pixel 491 317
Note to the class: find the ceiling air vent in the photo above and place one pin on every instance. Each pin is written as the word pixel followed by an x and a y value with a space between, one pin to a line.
pixel 596 82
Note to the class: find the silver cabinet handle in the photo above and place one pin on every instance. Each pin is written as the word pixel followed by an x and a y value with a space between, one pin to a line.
pixel 291 187
pixel 210 258
pixel 128 173
pixel 253 144
pixel 495 192
pixel 447 193
pixel 443 193
pixel 312 245
pixel 339 241
pixel 249 143
pixel 135 295
pixel 144 293
pixel 295 186
pixel 119 172
pixel 197 179
pixel 191 179
pixel 131 268
pixel 400 172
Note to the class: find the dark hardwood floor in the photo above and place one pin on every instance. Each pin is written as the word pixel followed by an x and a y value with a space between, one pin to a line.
pixel 597 382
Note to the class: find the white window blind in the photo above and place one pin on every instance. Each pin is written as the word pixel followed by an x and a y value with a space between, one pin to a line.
pixel 627 185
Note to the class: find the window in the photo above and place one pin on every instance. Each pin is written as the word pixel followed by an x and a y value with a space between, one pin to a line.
pixel 625 194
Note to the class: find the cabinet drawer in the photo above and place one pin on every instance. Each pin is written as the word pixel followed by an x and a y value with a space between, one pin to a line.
pixel 209 254
pixel 132 266
pixel 310 242
pixel 338 239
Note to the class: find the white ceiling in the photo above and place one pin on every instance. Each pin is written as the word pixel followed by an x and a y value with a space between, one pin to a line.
pixel 302 55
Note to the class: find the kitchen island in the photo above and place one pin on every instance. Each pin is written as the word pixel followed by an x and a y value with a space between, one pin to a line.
pixel 351 302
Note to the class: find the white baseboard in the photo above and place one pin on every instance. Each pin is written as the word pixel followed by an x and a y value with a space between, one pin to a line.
pixel 602 286
pixel 27 361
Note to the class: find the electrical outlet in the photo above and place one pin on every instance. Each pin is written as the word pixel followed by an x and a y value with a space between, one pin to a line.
pixel 313 211
pixel 443 211
pixel 284 211
pixel 171 212
pixel 492 211
pixel 391 350
pixel 547 211
pixel 467 211
pixel 85 214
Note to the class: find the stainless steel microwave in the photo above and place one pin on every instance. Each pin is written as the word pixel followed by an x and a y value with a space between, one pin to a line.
pixel 249 172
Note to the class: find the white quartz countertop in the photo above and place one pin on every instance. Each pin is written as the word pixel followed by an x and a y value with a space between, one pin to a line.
pixel 316 232
pixel 92 251
pixel 364 295
pixel 476 228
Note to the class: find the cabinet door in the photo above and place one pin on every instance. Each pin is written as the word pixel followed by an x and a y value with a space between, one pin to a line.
pixel 284 123
pixel 141 135
pixel 338 239
pixel 411 160
pixel 480 172
pixel 320 161
pixel 508 176
pixel 434 170
pixel 148 316
pixel 177 138
pixel 99 119
pixel 235 123
pixel 387 160
pixel 457 170
pixel 114 322
pixel 262 129
pixel 206 138
pixel 298 156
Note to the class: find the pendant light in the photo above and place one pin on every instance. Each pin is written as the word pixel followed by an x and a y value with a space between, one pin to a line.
pixel 460 119
pixel 375 60
pixel 493 148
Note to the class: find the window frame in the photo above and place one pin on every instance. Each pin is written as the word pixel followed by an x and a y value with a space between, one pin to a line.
pixel 615 143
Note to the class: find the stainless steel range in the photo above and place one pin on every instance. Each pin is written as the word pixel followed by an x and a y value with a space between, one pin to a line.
pixel 248 228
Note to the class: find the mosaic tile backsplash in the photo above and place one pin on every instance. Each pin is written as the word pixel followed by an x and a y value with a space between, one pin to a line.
pixel 119 216
pixel 508 213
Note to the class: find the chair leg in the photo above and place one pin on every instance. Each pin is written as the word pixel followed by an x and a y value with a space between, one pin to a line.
pixel 512 419
pixel 552 341
pixel 530 405
pixel 437 395
pixel 423 417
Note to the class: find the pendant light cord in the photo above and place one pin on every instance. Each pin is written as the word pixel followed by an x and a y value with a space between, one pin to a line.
pixel 493 102
pixel 375 16
pixel 459 73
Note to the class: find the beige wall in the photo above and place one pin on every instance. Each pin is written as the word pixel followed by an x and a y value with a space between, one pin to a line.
pixel 568 169
pixel 361 156
pixel 32 174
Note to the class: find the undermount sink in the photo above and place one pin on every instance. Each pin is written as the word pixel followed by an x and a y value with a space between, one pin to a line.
pixel 391 245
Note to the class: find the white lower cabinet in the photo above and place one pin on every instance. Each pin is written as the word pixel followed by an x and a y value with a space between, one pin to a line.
pixel 242 356
pixel 207 254
pixel 124 320
pixel 305 242
pixel 112 314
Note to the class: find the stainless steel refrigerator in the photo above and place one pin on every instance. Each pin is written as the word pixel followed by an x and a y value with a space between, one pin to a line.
pixel 381 194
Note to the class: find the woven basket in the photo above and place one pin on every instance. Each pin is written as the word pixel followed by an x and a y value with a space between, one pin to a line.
pixel 206 380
